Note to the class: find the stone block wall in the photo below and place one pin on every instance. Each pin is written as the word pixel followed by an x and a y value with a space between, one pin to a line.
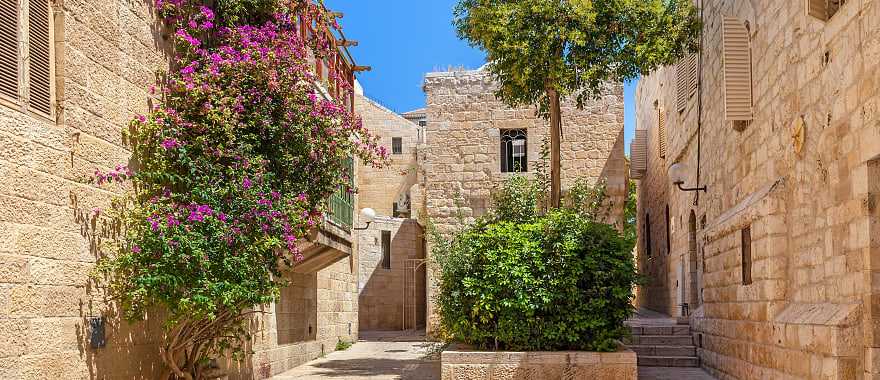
pixel 105 57
pixel 105 54
pixel 392 299
pixel 380 188
pixel 460 162
pixel 809 311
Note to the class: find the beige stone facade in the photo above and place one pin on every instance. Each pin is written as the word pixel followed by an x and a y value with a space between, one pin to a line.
pixel 778 260
pixel 460 161
pixel 391 295
pixel 105 56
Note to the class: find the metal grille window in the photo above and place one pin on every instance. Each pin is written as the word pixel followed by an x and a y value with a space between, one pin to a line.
pixel 386 249
pixel 397 145
pixel 9 56
pixel 514 151
pixel 648 235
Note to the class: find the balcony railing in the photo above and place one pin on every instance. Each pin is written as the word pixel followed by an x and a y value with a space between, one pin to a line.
pixel 335 71
pixel 342 202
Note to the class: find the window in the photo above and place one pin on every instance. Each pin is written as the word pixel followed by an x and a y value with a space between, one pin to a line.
pixel 686 81
pixel 423 123
pixel 648 235
pixel 386 249
pixel 9 56
pixel 824 9
pixel 397 145
pixel 638 150
pixel 668 221
pixel 661 129
pixel 737 61
pixel 514 147
pixel 747 255
pixel 38 51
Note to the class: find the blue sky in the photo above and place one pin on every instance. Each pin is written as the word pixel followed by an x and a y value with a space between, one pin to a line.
pixel 404 39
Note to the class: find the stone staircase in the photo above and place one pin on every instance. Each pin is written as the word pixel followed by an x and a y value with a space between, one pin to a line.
pixel 661 341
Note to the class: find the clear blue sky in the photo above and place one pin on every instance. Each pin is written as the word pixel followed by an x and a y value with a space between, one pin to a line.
pixel 404 39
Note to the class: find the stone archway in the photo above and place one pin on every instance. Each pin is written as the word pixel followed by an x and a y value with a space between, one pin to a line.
pixel 694 296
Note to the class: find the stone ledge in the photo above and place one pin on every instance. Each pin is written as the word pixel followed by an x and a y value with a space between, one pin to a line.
pixel 464 364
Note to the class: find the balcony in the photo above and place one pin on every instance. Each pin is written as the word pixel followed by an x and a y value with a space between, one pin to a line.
pixel 332 240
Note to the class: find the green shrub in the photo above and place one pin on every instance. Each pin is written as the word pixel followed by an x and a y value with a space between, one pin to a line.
pixel 343 345
pixel 559 282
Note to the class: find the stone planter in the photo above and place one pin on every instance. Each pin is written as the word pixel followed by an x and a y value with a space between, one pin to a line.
pixel 459 363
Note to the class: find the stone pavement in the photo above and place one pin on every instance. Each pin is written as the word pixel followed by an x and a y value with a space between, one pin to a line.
pixel 376 356
pixel 397 355
pixel 673 373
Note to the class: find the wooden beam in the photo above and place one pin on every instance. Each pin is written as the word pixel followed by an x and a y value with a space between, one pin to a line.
pixel 361 68
pixel 346 43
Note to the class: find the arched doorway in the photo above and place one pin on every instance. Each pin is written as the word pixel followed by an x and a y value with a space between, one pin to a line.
pixel 694 290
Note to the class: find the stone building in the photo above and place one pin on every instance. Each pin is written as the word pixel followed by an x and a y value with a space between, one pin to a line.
pixel 778 118
pixel 474 142
pixel 391 280
pixel 80 70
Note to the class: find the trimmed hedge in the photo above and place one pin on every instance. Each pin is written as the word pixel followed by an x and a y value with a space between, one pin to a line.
pixel 559 281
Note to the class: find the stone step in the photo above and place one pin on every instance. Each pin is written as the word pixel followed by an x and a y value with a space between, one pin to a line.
pixel 664 350
pixel 660 330
pixel 668 361
pixel 661 340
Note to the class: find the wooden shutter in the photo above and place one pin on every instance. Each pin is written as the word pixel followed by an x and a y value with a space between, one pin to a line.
pixel 39 65
pixel 686 81
pixel 661 127
pixel 638 152
pixel 818 9
pixel 737 70
pixel 9 48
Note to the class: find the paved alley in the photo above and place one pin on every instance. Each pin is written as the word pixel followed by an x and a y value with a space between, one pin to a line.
pixel 376 356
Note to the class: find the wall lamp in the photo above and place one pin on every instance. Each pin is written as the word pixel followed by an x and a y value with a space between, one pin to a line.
pixel 677 174
pixel 368 215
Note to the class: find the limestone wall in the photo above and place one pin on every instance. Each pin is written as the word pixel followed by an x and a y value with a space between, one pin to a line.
pixel 106 54
pixel 392 299
pixel 810 310
pixel 380 188
pixel 460 161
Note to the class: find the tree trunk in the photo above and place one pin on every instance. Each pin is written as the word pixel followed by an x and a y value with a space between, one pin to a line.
pixel 555 140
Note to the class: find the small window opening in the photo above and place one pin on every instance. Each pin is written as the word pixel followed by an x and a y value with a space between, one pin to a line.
pixel 386 249
pixel 648 235
pixel 747 256
pixel 514 151
pixel 397 145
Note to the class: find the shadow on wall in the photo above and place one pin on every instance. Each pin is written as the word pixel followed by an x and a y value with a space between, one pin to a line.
pixel 393 299
pixel 296 313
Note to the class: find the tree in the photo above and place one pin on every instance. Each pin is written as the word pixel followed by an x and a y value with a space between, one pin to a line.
pixel 540 51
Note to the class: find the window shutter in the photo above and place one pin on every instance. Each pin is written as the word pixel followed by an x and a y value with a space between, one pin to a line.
pixel 737 70
pixel 818 9
pixel 9 48
pixel 661 127
pixel 39 67
pixel 686 81
pixel 638 152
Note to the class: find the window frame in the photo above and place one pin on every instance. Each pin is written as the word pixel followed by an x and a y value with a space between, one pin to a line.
pixel 22 29
pixel 509 162
pixel 397 145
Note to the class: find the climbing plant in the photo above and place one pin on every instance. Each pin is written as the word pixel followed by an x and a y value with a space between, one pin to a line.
pixel 228 173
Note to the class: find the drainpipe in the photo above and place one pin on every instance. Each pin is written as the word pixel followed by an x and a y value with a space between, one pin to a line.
pixel 700 104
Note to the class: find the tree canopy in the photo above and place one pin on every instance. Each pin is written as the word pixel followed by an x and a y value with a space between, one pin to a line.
pixel 574 45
